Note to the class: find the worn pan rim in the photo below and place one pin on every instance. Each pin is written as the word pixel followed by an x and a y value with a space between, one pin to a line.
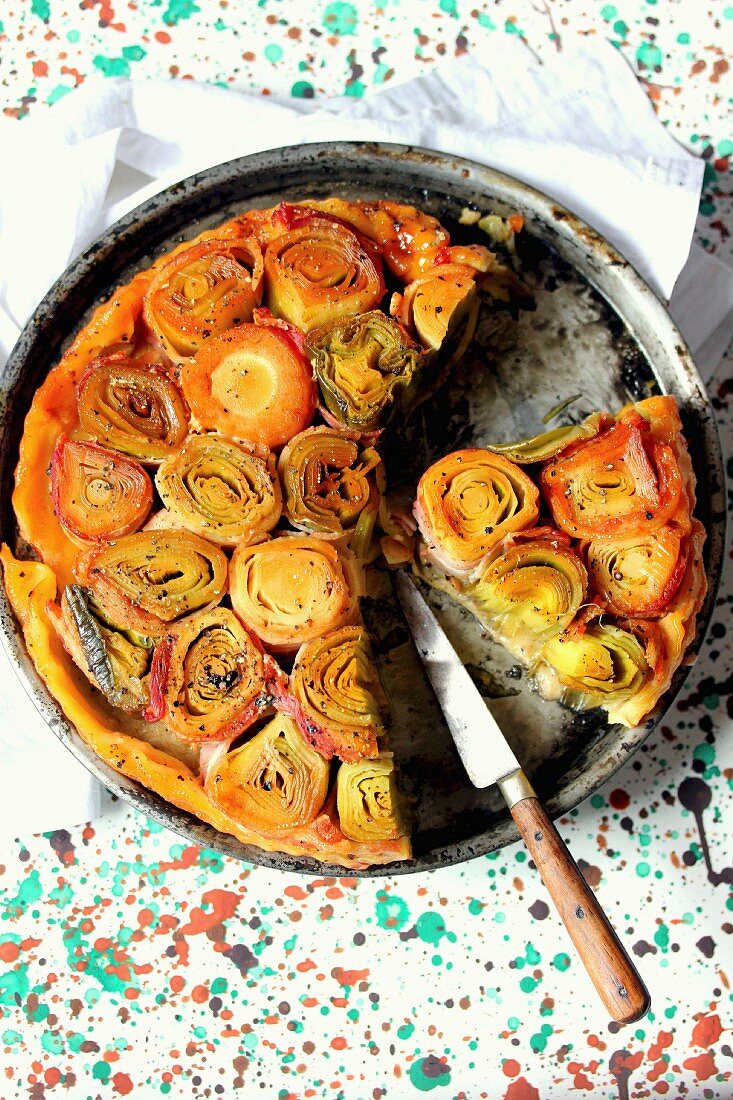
pixel 571 231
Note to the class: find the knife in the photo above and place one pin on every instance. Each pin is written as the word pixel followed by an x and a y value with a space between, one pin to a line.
pixel 488 758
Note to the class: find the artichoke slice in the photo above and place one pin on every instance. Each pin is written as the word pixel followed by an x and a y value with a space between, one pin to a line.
pixel 272 783
pixel 98 494
pixel 320 271
pixel 368 800
pixel 638 576
pixel 364 366
pixel 154 577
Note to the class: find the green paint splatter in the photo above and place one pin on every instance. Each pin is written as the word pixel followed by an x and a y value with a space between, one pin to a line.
pixel 52 1042
pixel 405 1031
pixel 608 12
pixel 111 66
pixel 450 7
pixel 30 890
pixel 661 937
pixel 485 20
pixel 561 961
pixel 340 18
pixel 643 869
pixel 649 56
pixel 101 1071
pixel 179 9
pixel 14 986
pixel 273 52
pixel 430 927
pixel 527 984
pixel 392 912
pixel 42 9
pixel 538 1042
pixel 475 907
pixel 302 90
pixel 429 1073
pixel 10 1038
pixel 133 53
pixel 597 801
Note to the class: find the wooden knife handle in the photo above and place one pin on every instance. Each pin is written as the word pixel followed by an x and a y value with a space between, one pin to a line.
pixel 612 972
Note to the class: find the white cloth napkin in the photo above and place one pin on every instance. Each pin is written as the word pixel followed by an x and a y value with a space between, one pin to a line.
pixel 578 127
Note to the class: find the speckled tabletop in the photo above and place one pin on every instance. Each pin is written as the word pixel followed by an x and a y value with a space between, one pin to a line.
pixel 131 964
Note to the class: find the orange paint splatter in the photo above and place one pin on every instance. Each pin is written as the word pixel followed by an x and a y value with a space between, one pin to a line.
pixel 703 1066
pixel 521 1090
pixel 349 977
pixel 511 1067
pixel 706 1031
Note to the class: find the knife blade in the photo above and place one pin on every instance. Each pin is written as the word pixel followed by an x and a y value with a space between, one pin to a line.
pixel 488 758
pixel 483 748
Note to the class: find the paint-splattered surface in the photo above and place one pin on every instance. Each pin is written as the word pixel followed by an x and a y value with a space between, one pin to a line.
pixel 132 965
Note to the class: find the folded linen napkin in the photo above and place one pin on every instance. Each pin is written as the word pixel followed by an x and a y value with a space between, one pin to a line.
pixel 578 127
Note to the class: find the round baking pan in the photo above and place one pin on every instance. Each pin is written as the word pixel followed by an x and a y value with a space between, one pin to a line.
pixel 596 332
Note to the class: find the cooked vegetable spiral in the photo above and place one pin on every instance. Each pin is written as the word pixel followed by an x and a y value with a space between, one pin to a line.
pixel 434 305
pixel 154 577
pixel 336 681
pixel 271 783
pixel 202 291
pixel 532 590
pixel 292 589
pixel 368 800
pixel 363 365
pixel 133 407
pixel 638 576
pixel 326 476
pixel 98 494
pixel 620 484
pixel 115 660
pixel 208 677
pixel 467 503
pixel 224 490
pixel 319 271
pixel 598 664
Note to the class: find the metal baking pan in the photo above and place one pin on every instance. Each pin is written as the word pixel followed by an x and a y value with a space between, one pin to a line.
pixel 597 330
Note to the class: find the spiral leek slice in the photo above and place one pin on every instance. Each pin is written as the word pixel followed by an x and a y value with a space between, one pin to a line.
pixel 467 503
pixel 530 592
pixel 133 407
pixel 368 800
pixel 363 365
pixel 326 476
pixel 98 494
pixel 272 783
pixel 202 291
pixel 620 484
pixel 116 661
pixel 209 677
pixel 223 490
pixel 434 305
pixel 597 664
pixel 292 589
pixel 320 272
pixel 336 681
pixel 252 382
pixel 154 577
pixel 638 576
